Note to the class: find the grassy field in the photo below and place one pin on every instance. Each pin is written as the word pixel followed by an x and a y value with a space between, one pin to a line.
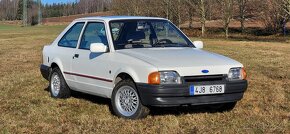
pixel 26 107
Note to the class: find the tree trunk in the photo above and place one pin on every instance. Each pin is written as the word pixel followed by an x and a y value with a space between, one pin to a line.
pixel 190 17
pixel 227 7
pixel 167 9
pixel 203 29
pixel 242 8
pixel 243 26
pixel 39 12
pixel 203 17
pixel 284 27
pixel 227 31
pixel 24 19
pixel 191 9
pixel 178 13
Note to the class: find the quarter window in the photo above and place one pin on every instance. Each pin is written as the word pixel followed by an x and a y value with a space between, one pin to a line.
pixel 94 33
pixel 70 39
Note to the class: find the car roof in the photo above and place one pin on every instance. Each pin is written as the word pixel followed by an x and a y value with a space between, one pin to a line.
pixel 109 18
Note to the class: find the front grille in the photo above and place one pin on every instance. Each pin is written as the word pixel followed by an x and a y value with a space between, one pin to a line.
pixel 204 78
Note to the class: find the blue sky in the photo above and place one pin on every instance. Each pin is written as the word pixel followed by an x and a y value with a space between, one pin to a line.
pixel 56 1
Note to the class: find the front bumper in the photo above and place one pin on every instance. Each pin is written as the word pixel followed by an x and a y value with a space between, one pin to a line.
pixel 176 95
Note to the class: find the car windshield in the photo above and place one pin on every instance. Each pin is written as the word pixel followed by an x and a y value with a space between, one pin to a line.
pixel 129 34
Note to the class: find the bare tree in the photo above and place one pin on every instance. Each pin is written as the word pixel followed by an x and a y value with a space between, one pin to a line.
pixel 25 14
pixel 242 12
pixel 8 9
pixel 286 14
pixel 190 15
pixel 286 6
pixel 123 7
pixel 227 14
pixel 209 6
pixel 89 6
pixel 202 16
pixel 39 12
pixel 167 2
pixel 201 11
pixel 274 16
pixel 178 13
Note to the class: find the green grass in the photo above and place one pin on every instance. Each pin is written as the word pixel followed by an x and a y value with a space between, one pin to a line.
pixel 7 27
pixel 26 107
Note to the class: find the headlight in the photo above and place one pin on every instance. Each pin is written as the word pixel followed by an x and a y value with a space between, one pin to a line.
pixel 237 74
pixel 164 77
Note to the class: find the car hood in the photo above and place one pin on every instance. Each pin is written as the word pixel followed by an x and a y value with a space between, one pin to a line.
pixel 186 61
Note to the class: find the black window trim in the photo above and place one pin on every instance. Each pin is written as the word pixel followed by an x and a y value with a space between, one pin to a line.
pixel 84 29
pixel 66 33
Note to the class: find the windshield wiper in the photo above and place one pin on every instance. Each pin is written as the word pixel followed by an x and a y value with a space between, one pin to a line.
pixel 159 44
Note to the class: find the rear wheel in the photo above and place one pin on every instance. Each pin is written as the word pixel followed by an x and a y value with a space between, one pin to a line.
pixel 126 102
pixel 57 85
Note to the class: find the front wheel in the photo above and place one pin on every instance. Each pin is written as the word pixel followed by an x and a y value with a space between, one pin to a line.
pixel 126 102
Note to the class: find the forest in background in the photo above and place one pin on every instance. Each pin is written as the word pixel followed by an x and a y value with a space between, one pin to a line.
pixel 274 14
pixel 13 9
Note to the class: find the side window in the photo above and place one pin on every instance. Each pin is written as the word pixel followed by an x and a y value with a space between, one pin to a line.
pixel 95 32
pixel 70 38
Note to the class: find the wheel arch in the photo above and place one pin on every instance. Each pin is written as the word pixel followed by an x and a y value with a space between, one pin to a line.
pixel 125 74
pixel 54 65
pixel 122 76
pixel 57 63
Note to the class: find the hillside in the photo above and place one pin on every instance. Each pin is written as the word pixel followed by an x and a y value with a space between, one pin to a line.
pixel 67 19
pixel 249 23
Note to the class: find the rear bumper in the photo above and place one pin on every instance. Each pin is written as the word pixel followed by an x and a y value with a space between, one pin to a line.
pixel 45 70
pixel 176 95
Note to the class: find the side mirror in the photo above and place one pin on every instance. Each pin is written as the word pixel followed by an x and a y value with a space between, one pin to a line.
pixel 98 48
pixel 198 44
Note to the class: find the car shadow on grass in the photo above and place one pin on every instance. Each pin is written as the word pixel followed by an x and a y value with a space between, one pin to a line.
pixel 181 110
pixel 91 98
pixel 176 110
pixel 88 97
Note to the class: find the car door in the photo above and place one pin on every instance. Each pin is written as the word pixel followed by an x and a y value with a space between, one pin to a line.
pixel 66 47
pixel 92 70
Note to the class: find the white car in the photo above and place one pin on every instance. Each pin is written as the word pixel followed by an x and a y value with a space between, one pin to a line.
pixel 139 62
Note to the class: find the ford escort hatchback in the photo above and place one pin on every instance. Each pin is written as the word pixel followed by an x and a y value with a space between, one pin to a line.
pixel 139 62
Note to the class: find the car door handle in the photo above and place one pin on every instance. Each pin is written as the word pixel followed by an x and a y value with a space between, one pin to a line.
pixel 76 56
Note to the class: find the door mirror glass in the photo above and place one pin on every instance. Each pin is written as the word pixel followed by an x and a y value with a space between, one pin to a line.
pixel 98 48
pixel 198 44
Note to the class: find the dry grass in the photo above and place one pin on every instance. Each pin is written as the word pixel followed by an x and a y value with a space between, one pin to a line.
pixel 25 105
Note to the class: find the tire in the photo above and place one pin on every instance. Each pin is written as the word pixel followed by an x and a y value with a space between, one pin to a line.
pixel 57 86
pixel 224 107
pixel 126 102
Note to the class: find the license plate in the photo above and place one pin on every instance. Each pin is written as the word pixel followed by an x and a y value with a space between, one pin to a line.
pixel 206 89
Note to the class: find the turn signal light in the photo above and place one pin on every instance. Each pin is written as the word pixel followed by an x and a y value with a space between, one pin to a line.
pixel 244 73
pixel 154 78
